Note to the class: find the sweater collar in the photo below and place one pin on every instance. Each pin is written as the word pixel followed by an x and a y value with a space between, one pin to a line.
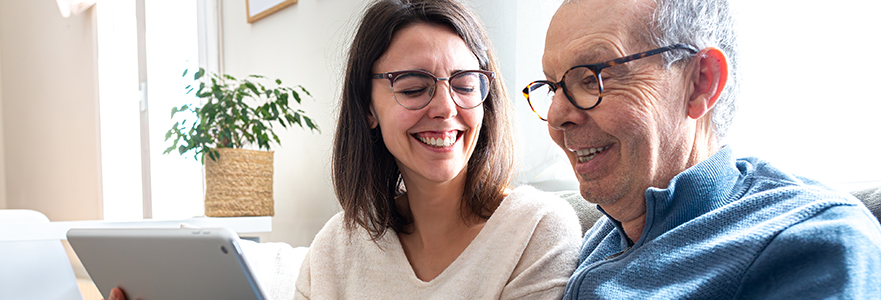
pixel 702 188
pixel 697 190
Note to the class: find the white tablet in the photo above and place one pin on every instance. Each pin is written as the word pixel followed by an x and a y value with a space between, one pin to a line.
pixel 159 264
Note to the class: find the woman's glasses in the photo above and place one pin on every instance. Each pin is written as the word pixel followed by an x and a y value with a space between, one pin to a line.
pixel 414 89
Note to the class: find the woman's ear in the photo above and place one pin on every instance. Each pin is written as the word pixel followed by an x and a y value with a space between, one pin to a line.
pixel 371 117
pixel 708 81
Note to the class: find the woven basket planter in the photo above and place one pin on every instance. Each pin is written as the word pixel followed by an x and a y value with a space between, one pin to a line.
pixel 239 183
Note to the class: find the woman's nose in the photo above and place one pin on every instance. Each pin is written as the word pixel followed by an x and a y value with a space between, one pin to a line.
pixel 442 104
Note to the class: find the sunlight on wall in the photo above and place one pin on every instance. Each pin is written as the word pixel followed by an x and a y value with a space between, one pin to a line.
pixel 808 104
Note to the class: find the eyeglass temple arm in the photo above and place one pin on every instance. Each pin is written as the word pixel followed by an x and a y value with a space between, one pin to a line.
pixel 691 49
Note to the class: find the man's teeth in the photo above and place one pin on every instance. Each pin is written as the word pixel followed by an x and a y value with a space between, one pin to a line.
pixel 438 142
pixel 585 155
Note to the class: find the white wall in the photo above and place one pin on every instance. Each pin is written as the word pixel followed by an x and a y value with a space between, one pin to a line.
pixel 302 44
pixel 809 104
pixel 2 151
pixel 49 110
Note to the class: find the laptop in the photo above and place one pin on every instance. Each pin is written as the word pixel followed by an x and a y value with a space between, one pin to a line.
pixel 167 263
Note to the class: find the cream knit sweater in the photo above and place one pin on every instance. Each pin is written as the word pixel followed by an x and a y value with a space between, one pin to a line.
pixel 526 250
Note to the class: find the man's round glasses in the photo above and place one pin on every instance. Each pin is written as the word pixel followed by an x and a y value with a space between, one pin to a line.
pixel 583 84
pixel 414 89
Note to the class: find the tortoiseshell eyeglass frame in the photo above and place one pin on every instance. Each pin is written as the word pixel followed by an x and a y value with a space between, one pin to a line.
pixel 597 69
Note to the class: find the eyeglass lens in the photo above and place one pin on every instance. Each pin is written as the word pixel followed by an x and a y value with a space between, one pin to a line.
pixel 581 84
pixel 415 90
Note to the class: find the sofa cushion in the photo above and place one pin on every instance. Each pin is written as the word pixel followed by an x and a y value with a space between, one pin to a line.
pixel 872 198
pixel 588 214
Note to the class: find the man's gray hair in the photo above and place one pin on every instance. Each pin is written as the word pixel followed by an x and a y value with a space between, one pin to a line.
pixel 701 23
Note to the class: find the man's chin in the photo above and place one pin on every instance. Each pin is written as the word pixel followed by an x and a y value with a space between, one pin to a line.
pixel 591 192
pixel 587 192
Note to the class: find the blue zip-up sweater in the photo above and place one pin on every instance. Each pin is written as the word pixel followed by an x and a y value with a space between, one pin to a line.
pixel 727 229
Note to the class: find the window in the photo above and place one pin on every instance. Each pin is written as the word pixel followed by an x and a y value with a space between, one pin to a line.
pixel 119 110
pixel 172 46
pixel 137 94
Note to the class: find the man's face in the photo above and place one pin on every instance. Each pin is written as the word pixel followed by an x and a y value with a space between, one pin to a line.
pixel 634 138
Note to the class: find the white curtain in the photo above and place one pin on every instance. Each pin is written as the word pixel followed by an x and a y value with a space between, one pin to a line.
pixel 74 7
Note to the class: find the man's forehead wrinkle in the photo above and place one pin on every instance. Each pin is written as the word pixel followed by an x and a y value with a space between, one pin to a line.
pixel 579 54
pixel 597 53
pixel 589 51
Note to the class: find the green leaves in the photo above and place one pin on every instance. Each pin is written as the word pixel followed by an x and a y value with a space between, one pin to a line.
pixel 235 113
pixel 198 74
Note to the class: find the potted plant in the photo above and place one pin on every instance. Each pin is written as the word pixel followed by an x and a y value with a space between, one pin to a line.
pixel 234 114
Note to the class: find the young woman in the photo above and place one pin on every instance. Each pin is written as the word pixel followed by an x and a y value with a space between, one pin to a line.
pixel 422 160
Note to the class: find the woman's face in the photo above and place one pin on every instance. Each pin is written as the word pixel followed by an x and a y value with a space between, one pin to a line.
pixel 431 144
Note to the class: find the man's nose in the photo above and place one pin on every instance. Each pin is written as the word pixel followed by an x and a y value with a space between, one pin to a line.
pixel 561 111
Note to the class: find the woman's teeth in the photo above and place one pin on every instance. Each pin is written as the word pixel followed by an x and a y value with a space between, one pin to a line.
pixel 437 142
pixel 585 155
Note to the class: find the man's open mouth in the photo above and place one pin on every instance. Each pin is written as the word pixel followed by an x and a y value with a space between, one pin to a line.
pixel 585 155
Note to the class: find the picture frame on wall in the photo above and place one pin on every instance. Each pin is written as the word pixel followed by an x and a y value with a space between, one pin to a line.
pixel 258 9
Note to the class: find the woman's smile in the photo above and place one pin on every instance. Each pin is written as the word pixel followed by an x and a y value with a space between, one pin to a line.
pixel 438 139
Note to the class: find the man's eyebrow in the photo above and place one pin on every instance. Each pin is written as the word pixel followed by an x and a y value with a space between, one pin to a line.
pixel 589 55
pixel 582 58
pixel 594 55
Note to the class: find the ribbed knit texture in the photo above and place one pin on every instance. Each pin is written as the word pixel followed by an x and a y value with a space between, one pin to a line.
pixel 736 229
pixel 526 250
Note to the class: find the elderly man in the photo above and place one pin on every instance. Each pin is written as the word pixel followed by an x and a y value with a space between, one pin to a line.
pixel 639 94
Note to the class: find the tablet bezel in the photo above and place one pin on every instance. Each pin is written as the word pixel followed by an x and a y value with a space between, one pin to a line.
pixel 166 263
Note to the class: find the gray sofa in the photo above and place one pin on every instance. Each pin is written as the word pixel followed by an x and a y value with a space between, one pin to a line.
pixel 588 214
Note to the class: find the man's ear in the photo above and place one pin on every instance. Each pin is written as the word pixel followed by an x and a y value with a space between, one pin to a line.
pixel 371 117
pixel 708 81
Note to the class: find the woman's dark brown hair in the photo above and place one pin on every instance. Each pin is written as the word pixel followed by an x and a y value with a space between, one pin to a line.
pixel 365 176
